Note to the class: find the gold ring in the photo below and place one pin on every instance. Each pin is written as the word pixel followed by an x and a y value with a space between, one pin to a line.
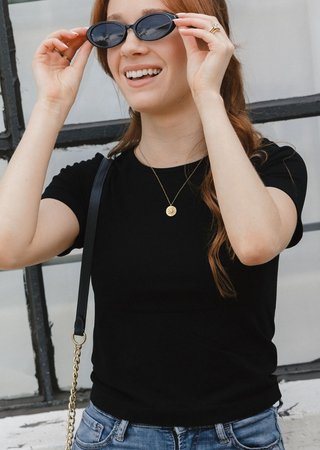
pixel 61 54
pixel 215 27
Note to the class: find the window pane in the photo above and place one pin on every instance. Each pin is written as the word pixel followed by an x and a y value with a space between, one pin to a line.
pixel 298 310
pixel 17 369
pixel 32 21
pixel 279 60
pixel 304 136
pixel 61 298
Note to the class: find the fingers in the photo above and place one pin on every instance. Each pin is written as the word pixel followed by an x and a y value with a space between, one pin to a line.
pixel 197 21
pixel 65 42
pixel 187 23
pixel 81 59
pixel 198 26
pixel 190 44
pixel 208 51
pixel 67 35
pixel 205 35
pixel 198 17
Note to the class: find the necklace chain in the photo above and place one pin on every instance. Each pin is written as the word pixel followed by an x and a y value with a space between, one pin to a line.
pixel 171 210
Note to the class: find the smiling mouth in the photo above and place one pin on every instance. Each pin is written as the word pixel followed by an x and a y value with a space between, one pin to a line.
pixel 142 74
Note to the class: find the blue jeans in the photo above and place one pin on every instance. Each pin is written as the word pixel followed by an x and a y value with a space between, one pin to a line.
pixel 98 430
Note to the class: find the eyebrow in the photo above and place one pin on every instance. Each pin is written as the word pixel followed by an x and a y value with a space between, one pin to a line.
pixel 144 12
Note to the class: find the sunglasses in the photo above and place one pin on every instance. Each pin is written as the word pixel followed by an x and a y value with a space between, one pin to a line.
pixel 148 28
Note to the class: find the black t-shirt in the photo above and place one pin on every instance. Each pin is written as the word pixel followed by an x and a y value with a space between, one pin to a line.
pixel 168 349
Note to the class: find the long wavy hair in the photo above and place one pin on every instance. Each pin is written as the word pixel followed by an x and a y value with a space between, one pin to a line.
pixel 234 101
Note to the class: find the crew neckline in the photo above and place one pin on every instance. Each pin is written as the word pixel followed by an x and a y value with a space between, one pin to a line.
pixel 133 158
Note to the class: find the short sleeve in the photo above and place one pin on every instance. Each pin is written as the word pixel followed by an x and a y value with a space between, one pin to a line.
pixel 283 168
pixel 72 186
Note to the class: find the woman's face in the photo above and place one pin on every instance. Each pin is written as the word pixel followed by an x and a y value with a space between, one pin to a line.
pixel 159 94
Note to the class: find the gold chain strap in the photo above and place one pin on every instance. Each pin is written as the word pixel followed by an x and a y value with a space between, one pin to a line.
pixel 73 391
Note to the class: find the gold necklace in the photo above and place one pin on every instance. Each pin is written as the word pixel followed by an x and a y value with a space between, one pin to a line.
pixel 171 210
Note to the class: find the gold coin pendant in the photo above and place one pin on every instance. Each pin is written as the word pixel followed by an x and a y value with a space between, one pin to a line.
pixel 171 211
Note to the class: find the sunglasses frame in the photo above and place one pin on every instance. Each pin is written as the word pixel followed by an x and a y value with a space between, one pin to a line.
pixel 132 27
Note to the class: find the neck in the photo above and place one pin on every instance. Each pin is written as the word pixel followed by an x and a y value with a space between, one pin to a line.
pixel 169 141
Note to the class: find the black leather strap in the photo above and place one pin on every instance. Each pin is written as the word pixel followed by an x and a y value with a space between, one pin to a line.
pixel 80 322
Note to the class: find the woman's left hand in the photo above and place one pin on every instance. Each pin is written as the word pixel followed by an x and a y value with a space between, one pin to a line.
pixel 208 53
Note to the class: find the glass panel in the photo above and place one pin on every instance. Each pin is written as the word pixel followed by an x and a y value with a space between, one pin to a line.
pixel 98 98
pixel 297 319
pixel 17 369
pixel 298 311
pixel 304 136
pixel 61 286
pixel 278 59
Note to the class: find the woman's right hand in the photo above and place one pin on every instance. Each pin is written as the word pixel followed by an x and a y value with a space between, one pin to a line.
pixel 32 231
pixel 57 80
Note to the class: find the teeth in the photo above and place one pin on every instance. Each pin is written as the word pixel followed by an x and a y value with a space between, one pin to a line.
pixel 141 73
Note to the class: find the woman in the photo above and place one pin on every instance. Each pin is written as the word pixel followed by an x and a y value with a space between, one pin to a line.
pixel 195 212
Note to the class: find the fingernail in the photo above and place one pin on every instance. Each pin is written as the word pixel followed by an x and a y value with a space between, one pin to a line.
pixel 65 45
pixel 74 32
pixel 180 14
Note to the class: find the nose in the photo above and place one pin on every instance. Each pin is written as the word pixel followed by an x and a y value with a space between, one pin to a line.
pixel 133 45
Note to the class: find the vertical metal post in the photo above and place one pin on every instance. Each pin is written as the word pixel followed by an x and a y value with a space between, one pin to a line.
pixel 40 332
pixel 34 288
pixel 10 85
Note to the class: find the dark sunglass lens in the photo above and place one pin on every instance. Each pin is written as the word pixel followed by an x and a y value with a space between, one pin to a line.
pixel 107 35
pixel 153 27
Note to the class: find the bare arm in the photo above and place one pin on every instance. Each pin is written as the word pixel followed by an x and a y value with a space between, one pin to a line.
pixel 30 233
pixel 259 221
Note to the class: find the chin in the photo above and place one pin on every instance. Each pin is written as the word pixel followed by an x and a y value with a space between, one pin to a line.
pixel 166 105
pixel 147 106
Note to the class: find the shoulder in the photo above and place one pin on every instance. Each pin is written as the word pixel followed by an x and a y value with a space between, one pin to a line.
pixel 86 168
pixel 78 176
pixel 281 166
pixel 72 186
pixel 271 156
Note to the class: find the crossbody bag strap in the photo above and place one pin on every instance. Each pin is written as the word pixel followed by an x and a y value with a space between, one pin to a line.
pixel 80 322
pixel 85 274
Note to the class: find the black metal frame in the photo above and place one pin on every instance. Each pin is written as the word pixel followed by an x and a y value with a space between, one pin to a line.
pixel 92 134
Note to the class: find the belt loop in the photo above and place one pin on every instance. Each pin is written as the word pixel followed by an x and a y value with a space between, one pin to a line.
pixel 221 433
pixel 121 430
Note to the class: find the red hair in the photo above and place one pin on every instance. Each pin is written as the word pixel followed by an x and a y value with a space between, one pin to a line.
pixel 233 95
